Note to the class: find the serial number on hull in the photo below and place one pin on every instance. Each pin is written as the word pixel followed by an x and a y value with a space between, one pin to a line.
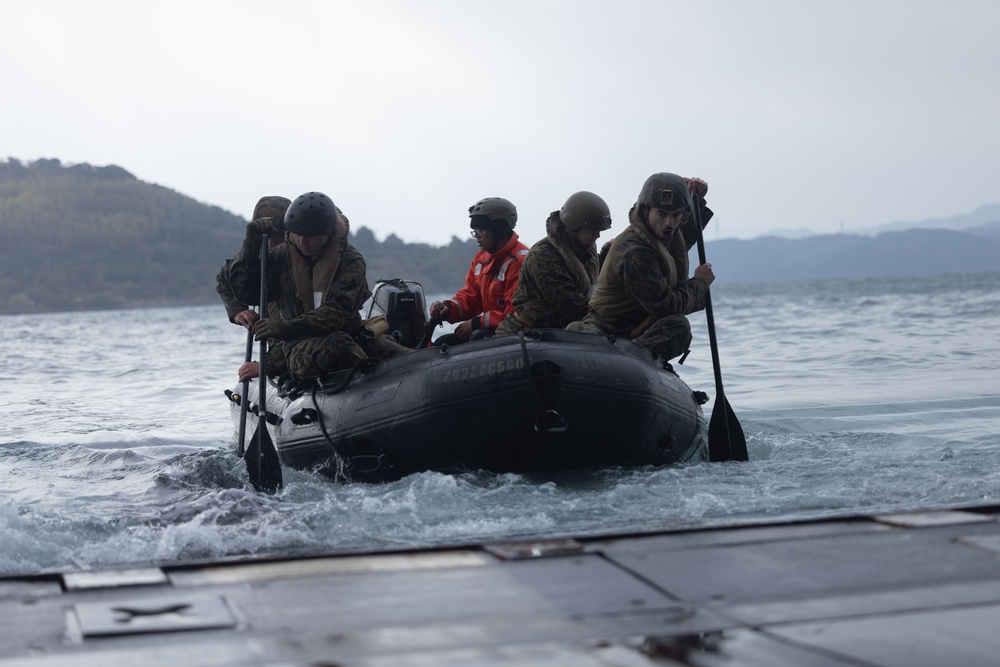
pixel 592 363
pixel 478 371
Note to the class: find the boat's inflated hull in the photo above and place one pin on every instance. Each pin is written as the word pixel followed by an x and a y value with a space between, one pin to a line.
pixel 549 401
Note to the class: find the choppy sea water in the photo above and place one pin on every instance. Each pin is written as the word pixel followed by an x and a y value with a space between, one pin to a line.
pixel 116 446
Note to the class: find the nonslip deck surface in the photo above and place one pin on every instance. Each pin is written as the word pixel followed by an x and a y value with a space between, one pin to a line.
pixel 914 589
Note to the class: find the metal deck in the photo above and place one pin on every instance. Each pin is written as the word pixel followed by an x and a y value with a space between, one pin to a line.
pixel 911 589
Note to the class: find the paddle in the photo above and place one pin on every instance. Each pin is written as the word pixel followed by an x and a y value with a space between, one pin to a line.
pixel 726 441
pixel 240 444
pixel 263 466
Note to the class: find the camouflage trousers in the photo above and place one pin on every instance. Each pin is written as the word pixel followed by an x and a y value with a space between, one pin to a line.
pixel 315 357
pixel 668 336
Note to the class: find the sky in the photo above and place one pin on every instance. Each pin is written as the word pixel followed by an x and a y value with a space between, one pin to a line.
pixel 826 116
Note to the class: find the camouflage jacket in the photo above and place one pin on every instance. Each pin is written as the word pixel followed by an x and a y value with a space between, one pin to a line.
pixel 643 280
pixel 548 293
pixel 233 305
pixel 338 311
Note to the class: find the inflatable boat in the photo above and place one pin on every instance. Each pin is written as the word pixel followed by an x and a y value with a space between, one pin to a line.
pixel 548 400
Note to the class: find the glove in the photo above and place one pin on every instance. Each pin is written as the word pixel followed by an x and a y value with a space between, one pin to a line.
pixel 439 310
pixel 259 227
pixel 270 328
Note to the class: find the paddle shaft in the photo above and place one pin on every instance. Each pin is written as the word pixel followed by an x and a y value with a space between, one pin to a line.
pixel 709 315
pixel 244 399
pixel 263 464
pixel 262 365
pixel 262 433
pixel 725 435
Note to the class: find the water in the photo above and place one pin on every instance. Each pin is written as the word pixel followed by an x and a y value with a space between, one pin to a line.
pixel 855 396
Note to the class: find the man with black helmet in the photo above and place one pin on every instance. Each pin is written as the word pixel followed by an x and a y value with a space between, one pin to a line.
pixel 643 291
pixel 316 287
pixel 487 297
pixel 559 272
pixel 271 207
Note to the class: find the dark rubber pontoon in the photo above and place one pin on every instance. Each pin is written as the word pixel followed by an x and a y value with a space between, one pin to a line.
pixel 549 400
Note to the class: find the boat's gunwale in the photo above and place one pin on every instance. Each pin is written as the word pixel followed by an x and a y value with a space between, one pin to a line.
pixel 532 340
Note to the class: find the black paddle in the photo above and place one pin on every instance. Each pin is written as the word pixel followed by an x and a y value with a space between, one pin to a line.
pixel 726 441
pixel 261 458
pixel 244 400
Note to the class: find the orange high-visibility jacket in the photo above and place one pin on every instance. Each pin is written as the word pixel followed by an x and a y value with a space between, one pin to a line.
pixel 488 294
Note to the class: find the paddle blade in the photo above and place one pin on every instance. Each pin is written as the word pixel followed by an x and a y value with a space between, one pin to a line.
pixel 263 466
pixel 726 441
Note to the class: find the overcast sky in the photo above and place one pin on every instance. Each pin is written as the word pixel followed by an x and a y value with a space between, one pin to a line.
pixel 830 116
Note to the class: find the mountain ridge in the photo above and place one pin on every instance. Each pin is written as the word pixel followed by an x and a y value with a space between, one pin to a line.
pixel 81 237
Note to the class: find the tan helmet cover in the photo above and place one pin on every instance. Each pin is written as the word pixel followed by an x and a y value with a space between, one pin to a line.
pixel 585 209
pixel 665 191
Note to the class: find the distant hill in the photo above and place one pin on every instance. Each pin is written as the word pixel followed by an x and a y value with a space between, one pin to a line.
pixel 82 238
pixel 983 221
pixel 912 252
pixel 440 270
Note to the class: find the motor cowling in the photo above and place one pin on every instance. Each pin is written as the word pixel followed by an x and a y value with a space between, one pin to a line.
pixel 402 303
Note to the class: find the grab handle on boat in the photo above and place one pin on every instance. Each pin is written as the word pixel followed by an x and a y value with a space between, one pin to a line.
pixel 550 421
pixel 305 416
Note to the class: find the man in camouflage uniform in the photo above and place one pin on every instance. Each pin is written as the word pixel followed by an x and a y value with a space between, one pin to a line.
pixel 267 207
pixel 643 291
pixel 559 272
pixel 316 287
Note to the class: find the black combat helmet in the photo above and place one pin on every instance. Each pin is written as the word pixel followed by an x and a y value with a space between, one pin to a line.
pixel 665 191
pixel 495 208
pixel 585 209
pixel 311 214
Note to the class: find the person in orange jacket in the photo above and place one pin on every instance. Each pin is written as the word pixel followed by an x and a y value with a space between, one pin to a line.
pixel 488 295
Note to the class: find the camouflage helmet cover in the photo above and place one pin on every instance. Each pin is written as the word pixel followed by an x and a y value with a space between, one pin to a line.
pixel 495 208
pixel 311 214
pixel 665 191
pixel 273 207
pixel 585 209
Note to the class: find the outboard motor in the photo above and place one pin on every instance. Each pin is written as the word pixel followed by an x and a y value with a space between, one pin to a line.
pixel 402 304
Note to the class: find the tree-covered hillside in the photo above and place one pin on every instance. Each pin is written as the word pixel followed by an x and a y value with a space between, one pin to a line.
pixel 82 237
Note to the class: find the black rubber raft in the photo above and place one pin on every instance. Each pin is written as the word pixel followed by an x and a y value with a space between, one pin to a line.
pixel 549 400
